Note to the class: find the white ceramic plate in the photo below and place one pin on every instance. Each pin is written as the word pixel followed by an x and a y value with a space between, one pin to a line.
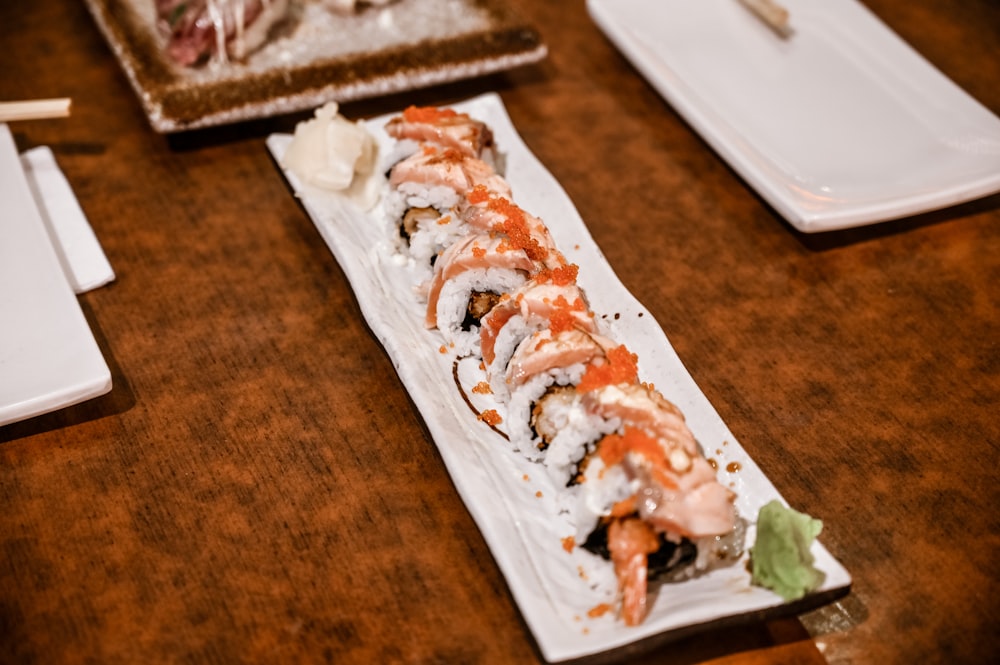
pixel 48 356
pixel 554 589
pixel 840 124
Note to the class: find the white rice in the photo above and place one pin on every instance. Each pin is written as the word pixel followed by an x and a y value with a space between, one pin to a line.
pixel 522 399
pixel 433 236
pixel 585 503
pixel 579 432
pixel 514 331
pixel 453 303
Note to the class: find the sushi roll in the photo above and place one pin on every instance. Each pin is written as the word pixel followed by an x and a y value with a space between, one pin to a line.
pixel 632 478
pixel 637 486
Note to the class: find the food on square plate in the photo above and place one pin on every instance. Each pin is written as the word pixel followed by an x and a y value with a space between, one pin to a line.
pixel 200 31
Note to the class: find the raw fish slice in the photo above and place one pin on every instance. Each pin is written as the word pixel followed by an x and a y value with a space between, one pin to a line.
pixel 445 128
pixel 202 29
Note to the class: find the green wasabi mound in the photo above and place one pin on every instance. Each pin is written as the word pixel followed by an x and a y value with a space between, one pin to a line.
pixel 780 559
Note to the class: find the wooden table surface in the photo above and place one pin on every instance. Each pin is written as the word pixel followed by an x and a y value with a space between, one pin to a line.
pixel 259 488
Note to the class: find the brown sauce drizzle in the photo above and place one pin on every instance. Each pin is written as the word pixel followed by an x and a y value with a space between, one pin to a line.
pixel 468 402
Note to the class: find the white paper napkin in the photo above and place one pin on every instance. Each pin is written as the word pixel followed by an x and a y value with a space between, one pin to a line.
pixel 81 255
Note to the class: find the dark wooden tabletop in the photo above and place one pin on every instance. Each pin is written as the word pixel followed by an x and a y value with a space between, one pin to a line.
pixel 258 486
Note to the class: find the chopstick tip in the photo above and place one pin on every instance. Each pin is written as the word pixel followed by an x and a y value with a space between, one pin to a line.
pixel 774 15
pixel 35 109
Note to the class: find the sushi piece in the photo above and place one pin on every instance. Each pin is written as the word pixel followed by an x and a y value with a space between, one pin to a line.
pixel 647 498
pixel 543 406
pixel 432 166
pixel 568 429
pixel 424 187
pixel 199 30
pixel 445 128
pixel 470 279
pixel 551 299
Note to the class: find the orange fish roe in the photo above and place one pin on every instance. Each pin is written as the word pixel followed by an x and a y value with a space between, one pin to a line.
pixel 613 448
pixel 515 226
pixel 444 220
pixel 478 251
pixel 443 349
pixel 491 417
pixel 429 114
pixel 599 610
pixel 538 494
pixel 482 388
pixel 478 194
pixel 624 507
pixel 622 366
pixel 562 276
pixel 563 318
pixel 568 543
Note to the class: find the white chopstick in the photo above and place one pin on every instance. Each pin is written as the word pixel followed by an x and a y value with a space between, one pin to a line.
pixel 34 109
pixel 773 14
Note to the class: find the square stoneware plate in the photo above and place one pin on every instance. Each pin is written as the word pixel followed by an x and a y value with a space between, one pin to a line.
pixel 513 501
pixel 317 55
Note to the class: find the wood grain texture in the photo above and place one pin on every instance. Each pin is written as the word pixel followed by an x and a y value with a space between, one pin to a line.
pixel 258 487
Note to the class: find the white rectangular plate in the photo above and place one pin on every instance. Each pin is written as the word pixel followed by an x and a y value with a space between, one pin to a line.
pixel 840 124
pixel 48 356
pixel 510 498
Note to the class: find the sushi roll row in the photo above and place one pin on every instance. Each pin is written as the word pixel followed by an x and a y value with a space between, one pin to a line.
pixel 633 479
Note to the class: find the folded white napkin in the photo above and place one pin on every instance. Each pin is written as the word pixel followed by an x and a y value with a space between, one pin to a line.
pixel 79 251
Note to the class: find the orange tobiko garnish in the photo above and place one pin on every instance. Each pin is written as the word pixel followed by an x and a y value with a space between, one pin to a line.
pixel 428 114
pixel 619 366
